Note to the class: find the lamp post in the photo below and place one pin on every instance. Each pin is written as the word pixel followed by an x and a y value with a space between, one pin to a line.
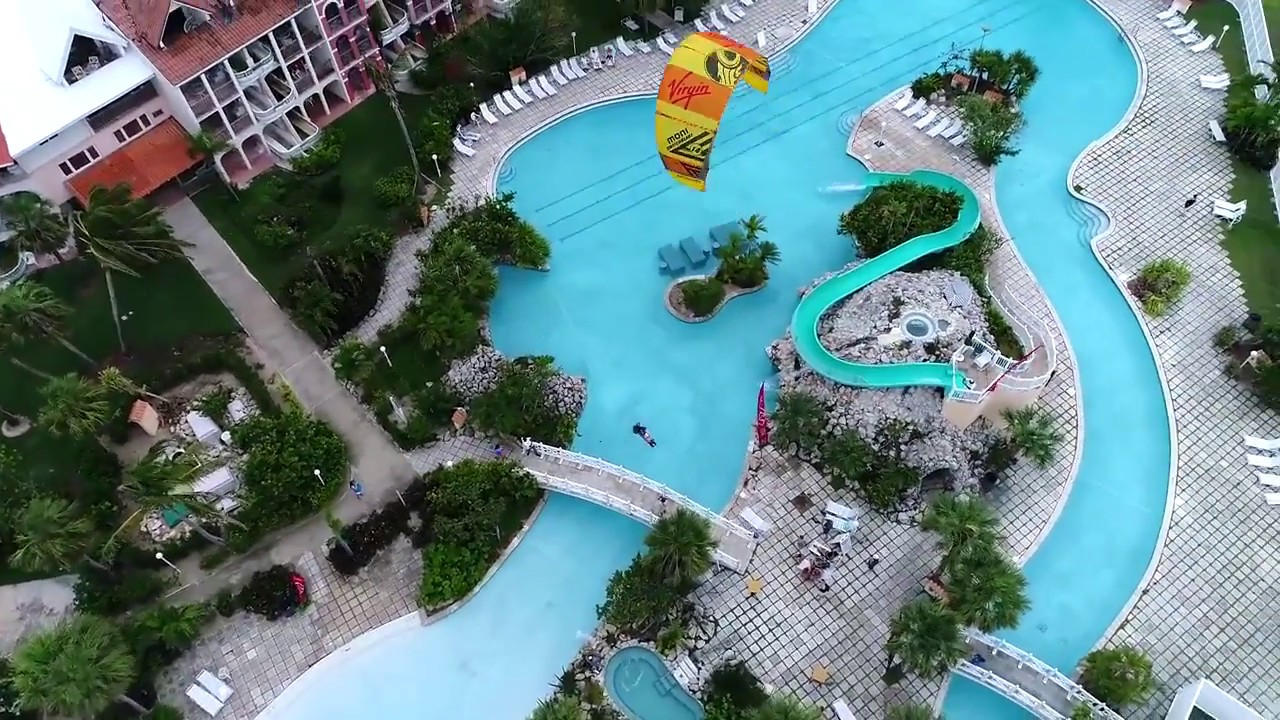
pixel 574 37
pixel 319 477
pixel 1222 34
pixel 383 348
pixel 436 159
pixel 398 410
pixel 985 31
pixel 160 556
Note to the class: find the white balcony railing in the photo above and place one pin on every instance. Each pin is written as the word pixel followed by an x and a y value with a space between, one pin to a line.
pixel 399 24
pixel 264 105
pixel 263 62
pixel 289 145
pixel 26 261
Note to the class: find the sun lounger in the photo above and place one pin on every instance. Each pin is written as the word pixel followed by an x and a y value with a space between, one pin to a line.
pixel 696 253
pixel 937 129
pixel 720 234
pixel 1175 21
pixel 630 24
pixel 1232 207
pixel 671 260
pixel 1270 445
pixel 623 47
pixel 762 39
pixel 537 90
pixel 662 44
pixel 1268 479
pixel 547 86
pixel 903 101
pixel 204 700
pixel 915 108
pixel 644 46
pixel 561 72
pixel 700 26
pixel 959 139
pixel 466 135
pixel 502 107
pixel 1216 131
pixel 928 118
pixel 1168 13
pixel 747 3
pixel 1272 498
pixel 512 102
pixel 1191 38
pixel 462 148
pixel 577 67
pixel 1185 29
pixel 1263 461
pixel 842 711
pixel 729 13
pixel 1214 84
pixel 715 20
pixel 487 114
pixel 1220 77
pixel 813 7
pixel 610 56
pixel 1203 45
pixel 218 689
pixel 955 128
pixel 596 62
pixel 523 94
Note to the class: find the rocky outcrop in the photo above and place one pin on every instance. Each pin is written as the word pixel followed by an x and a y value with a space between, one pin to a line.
pixel 478 373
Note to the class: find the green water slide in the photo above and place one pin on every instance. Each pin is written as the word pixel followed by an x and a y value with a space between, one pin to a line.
pixel 804 323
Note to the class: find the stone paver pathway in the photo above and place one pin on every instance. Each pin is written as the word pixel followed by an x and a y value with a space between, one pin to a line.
pixel 31 606
pixel 1209 610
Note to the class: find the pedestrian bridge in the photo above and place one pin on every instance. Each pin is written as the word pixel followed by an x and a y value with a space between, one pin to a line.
pixel 1026 680
pixel 632 494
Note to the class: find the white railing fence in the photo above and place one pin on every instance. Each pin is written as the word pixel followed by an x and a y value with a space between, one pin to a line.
pixel 1257 45
pixel 1074 692
pixel 1008 690
pixel 562 456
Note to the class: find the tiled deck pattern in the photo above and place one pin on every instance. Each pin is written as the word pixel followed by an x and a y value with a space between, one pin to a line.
pixel 1209 610
pixel 1028 500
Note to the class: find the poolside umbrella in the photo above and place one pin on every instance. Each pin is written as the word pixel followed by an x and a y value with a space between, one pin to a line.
pixel 762 420
pixel 819 673
pixel 754 585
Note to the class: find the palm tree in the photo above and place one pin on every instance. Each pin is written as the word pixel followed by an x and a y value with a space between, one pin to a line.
pixel 925 638
pixel 116 381
pixel 29 310
pixel 76 669
pixel 205 144
pixel 49 535
pixel 1032 432
pixel 786 707
pixel 987 590
pixel 911 712
pixel 158 482
pixel 36 225
pixel 680 547
pixel 1118 676
pixel 73 406
pixel 381 78
pixel 1023 73
pixel 960 522
pixel 560 707
pixel 122 233
pixel 800 420
pixel 753 227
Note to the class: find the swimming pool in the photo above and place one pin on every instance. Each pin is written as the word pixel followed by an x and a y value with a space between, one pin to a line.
pixel 639 683
pixel 591 183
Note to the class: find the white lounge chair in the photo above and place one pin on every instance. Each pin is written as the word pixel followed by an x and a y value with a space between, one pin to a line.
pixel 644 46
pixel 813 7
pixel 1268 479
pixel 558 76
pixel 1232 207
pixel 1191 38
pixel 512 102
pixel 1270 445
pixel 623 47
pixel 466 135
pixel 537 90
pixel 488 115
pixel 577 67
pixel 700 26
pixel 215 686
pixel 1168 13
pixel 729 13
pixel 523 94
pixel 1214 84
pixel 671 39
pixel 204 700
pixel 1263 461
pixel 928 118
pixel 462 148
pixel 1232 217
pixel 747 3
pixel 1220 77
pixel 1175 21
pixel 1272 498
pixel 950 132
pixel 596 62
pixel 1216 131
pixel 566 72
pixel 1203 45
pixel 547 87
pixel 915 108
pixel 502 107
pixel 715 20
pixel 1186 29
pixel 842 711
pixel 959 139
pixel 662 44
pixel 762 39
pixel 937 129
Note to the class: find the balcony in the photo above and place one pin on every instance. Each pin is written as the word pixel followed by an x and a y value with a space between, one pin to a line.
pixel 324 69
pixel 302 79
pixel 310 36
pixel 224 91
pixel 399 24
pixel 256 60
pixel 364 45
pixel 265 105
pixel 291 136
pixel 282 88
pixel 240 121
pixel 25 263
pixel 289 46
pixel 198 98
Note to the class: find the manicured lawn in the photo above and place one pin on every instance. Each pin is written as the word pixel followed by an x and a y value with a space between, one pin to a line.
pixel 1251 243
pixel 372 148
pixel 1271 11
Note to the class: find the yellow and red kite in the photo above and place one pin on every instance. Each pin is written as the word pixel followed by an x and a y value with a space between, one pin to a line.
pixel 695 90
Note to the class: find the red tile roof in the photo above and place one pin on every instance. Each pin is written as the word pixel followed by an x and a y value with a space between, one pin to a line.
pixel 151 160
pixel 143 22
pixel 5 158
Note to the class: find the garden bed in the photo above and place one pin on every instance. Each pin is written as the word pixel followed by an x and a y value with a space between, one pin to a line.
pixel 676 305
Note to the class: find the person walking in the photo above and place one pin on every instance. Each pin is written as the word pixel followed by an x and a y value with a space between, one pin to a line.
pixel 1190 201
pixel 356 488
pixel 872 563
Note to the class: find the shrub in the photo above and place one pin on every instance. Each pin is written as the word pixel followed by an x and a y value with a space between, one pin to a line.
pixel 1160 284
pixel 215 404
pixel 991 127
pixel 703 296
pixel 362 541
pixel 799 423
pixel 894 213
pixel 118 589
pixel 882 480
pixel 435 137
pixel 225 603
pixel 1226 336
pixel 160 635
pixel 501 235
pixel 1252 127
pixel 1032 434
pixel 322 156
pixel 1007 341
pixel 520 406
pixel 164 712
pixel 745 258
pixel 336 290
pixel 271 593
pixel 396 189
pixel 1118 676
pixel 733 683
pixel 635 602
pixel 928 84
pixel 1081 712
pixel 276 233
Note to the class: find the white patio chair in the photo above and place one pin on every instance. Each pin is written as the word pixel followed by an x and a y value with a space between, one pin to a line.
pixel 1270 445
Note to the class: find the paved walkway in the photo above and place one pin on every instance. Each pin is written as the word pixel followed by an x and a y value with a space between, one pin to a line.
pixel 1209 610
pixel 1025 679
pixel 31 606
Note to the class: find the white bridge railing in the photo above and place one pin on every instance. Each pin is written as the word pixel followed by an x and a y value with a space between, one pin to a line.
pixel 1008 690
pixel 568 457
pixel 1075 693
pixel 617 504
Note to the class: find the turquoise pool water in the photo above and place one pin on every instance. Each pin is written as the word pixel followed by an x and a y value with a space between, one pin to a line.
pixel 593 185
pixel 639 683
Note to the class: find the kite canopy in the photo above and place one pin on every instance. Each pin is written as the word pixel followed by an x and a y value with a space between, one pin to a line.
pixel 695 89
